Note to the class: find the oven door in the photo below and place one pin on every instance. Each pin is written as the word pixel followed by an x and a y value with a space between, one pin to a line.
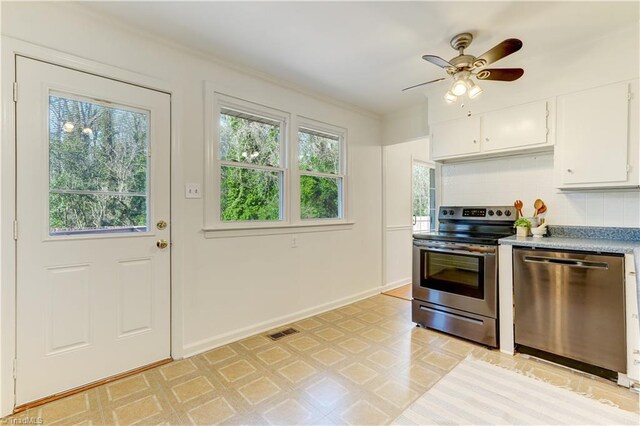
pixel 460 276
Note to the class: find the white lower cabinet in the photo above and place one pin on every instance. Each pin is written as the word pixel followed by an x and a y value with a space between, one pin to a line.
pixel 633 327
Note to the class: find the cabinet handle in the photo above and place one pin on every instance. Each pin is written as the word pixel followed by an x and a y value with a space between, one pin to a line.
pixel 636 351
pixel 636 362
pixel 569 170
pixel 486 139
pixel 632 273
pixel 475 141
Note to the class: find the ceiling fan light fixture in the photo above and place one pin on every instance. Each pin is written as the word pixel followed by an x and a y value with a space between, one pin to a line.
pixel 459 87
pixel 473 89
pixel 450 97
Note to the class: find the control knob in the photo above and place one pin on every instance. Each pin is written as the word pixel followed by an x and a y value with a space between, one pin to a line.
pixel 507 213
pixel 499 212
pixel 491 213
pixel 451 212
pixel 445 212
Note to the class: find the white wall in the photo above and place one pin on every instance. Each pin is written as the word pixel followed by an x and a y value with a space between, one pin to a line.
pixel 232 286
pixel 398 162
pixel 405 125
pixel 502 181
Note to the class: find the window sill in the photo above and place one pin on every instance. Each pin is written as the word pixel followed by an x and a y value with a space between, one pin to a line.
pixel 276 229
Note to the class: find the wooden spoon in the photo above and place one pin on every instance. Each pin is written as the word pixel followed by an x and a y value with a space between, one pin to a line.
pixel 542 209
pixel 536 206
pixel 518 205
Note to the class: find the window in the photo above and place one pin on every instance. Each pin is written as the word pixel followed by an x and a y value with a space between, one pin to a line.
pixel 424 197
pixel 263 173
pixel 321 177
pixel 251 164
pixel 98 171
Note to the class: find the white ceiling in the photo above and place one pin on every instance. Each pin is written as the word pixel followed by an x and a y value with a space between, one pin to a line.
pixel 364 53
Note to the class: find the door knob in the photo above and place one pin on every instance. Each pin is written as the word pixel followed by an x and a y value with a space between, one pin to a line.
pixel 162 244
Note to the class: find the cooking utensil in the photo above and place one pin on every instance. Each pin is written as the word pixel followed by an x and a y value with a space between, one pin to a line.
pixel 541 210
pixel 536 206
pixel 518 205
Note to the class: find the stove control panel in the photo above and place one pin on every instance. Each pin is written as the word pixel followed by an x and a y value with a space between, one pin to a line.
pixel 498 213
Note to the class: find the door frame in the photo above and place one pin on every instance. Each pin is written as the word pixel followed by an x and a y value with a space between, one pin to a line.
pixel 9 49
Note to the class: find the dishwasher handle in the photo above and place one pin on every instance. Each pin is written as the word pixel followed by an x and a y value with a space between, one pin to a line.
pixel 572 263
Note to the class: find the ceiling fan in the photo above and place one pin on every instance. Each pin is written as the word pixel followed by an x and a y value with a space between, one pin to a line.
pixel 463 67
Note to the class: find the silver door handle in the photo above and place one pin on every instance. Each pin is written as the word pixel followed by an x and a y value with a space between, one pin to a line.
pixel 460 317
pixel 415 219
pixel 566 262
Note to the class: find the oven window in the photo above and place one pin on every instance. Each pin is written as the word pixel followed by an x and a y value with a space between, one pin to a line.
pixel 453 273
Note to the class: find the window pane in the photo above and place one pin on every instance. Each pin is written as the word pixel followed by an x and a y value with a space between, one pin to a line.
pixel 98 166
pixel 73 213
pixel 423 197
pixel 318 153
pixel 248 194
pixel 319 197
pixel 247 140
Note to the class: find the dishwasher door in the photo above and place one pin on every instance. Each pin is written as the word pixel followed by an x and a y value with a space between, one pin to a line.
pixel 571 304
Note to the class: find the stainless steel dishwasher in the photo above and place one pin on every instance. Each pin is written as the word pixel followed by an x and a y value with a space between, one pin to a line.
pixel 571 304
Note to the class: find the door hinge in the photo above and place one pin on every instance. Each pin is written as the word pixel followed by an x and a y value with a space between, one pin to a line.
pixel 15 230
pixel 15 369
pixel 629 96
pixel 628 168
pixel 15 91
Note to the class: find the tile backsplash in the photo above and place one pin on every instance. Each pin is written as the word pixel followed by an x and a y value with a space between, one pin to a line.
pixel 503 180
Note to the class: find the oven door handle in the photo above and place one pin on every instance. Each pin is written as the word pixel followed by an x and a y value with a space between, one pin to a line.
pixel 474 253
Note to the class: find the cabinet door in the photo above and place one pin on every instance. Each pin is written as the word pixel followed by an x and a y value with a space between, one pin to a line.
pixel 593 136
pixel 515 127
pixel 455 138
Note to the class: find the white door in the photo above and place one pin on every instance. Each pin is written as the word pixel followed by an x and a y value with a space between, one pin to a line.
pixel 92 187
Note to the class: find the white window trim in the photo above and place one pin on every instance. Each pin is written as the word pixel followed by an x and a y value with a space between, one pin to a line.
pixel 290 221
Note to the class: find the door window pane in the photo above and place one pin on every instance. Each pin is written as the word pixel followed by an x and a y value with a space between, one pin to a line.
pixel 249 194
pixel 98 167
pixel 319 197
pixel 424 200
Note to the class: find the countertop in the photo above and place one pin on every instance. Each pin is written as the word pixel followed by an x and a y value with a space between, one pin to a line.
pixel 585 244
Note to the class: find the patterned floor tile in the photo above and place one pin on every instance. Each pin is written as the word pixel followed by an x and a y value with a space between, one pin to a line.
pixel 220 354
pixel 212 412
pixel 359 364
pixel 259 390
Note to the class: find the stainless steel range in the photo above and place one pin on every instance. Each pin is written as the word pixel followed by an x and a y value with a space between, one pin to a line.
pixel 455 272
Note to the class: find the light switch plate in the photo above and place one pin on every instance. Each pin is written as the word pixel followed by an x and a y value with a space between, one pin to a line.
pixel 192 190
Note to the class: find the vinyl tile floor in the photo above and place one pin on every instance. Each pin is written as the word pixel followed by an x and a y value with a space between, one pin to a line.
pixel 361 364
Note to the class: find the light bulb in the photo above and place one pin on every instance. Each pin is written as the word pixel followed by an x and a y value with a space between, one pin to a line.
pixel 474 89
pixel 450 97
pixel 459 88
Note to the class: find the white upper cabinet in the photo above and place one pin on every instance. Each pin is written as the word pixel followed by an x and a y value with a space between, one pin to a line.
pixel 597 138
pixel 509 130
pixel 455 138
pixel 517 127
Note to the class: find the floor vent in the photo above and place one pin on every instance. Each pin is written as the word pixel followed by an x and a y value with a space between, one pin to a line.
pixel 283 333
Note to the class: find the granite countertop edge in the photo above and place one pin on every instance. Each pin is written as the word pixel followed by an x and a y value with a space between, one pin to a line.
pixel 584 244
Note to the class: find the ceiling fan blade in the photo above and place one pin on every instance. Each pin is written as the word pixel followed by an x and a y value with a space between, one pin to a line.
pixel 437 60
pixel 500 74
pixel 499 51
pixel 422 84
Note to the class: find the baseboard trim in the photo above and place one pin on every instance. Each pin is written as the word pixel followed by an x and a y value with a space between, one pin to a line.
pixel 396 284
pixel 222 339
